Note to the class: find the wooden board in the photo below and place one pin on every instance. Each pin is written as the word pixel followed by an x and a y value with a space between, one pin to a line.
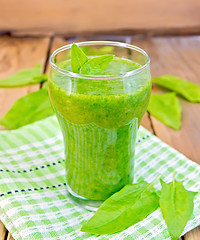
pixel 9 237
pixel 17 54
pixel 177 56
pixel 2 231
pixel 57 42
pixel 105 16
pixel 193 235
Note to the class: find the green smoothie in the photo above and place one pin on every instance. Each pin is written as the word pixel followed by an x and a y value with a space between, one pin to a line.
pixel 99 121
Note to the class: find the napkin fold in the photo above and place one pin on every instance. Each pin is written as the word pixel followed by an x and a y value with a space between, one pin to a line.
pixel 33 198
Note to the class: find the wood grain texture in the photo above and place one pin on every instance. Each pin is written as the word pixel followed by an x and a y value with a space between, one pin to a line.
pixel 2 231
pixel 15 55
pixel 193 235
pixel 146 122
pixel 57 42
pixel 177 56
pixel 105 16
pixel 9 237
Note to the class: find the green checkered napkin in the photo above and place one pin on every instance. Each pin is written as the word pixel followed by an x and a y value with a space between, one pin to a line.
pixel 33 196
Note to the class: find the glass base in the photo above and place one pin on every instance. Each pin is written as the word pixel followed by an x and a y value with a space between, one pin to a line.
pixel 88 204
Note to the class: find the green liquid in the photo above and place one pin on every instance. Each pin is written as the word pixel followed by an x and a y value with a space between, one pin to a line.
pixel 99 123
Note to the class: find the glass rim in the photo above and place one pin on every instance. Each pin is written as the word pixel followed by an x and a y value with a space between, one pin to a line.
pixel 101 77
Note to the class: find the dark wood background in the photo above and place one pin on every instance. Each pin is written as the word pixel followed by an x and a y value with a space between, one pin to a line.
pixel 100 16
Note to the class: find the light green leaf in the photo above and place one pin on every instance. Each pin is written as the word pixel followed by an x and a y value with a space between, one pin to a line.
pixel 128 206
pixel 96 65
pixel 188 90
pixel 24 77
pixel 28 109
pixel 45 85
pixel 177 205
pixel 166 108
pixel 41 78
pixel 78 58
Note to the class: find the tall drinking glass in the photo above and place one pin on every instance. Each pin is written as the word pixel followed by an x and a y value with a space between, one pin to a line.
pixel 99 117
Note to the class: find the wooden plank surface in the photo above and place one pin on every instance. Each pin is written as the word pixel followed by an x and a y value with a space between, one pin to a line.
pixel 177 56
pixel 105 16
pixel 2 231
pixel 193 235
pixel 9 237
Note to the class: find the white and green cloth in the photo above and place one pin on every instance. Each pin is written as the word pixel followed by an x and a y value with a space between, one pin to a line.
pixel 33 197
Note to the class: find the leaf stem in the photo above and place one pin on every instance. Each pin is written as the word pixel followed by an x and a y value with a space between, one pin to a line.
pixel 174 175
pixel 154 181
pixel 173 189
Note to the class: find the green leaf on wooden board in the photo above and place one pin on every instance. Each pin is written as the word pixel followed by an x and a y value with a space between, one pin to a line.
pixel 28 109
pixel 186 89
pixel 24 77
pixel 166 108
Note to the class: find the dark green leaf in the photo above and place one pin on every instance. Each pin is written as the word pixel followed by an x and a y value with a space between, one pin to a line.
pixel 188 90
pixel 28 109
pixel 78 58
pixel 24 77
pixel 128 206
pixel 96 65
pixel 176 204
pixel 166 108
pixel 41 78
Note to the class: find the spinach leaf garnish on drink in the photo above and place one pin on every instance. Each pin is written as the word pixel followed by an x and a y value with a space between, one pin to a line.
pixel 78 58
pixel 80 63
pixel 96 65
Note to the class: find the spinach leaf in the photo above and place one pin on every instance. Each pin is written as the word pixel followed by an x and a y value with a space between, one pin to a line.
pixel 24 77
pixel 28 109
pixel 96 64
pixel 41 78
pixel 128 206
pixel 78 58
pixel 177 205
pixel 45 85
pixel 188 90
pixel 81 64
pixel 166 108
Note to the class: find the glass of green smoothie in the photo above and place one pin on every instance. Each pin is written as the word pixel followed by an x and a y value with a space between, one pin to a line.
pixel 99 115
